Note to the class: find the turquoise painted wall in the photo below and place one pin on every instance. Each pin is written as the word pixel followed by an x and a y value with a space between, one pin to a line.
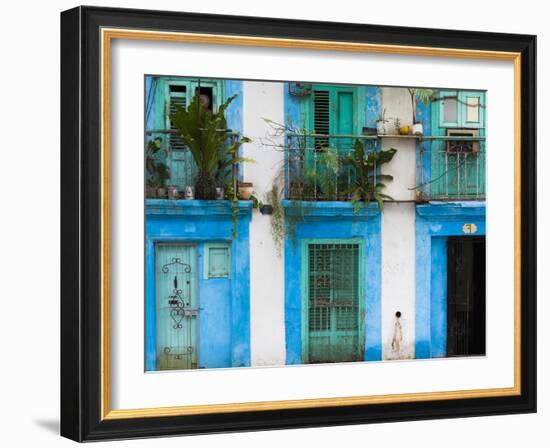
pixel 334 220
pixel 224 304
pixel 224 319
pixel 331 220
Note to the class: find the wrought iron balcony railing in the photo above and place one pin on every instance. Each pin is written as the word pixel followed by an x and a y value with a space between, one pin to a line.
pixel 170 163
pixel 451 168
pixel 317 166
pixel 448 168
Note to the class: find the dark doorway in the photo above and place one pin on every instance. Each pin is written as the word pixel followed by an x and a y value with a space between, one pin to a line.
pixel 465 296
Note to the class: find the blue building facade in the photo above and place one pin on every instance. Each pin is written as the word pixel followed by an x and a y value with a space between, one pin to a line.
pixel 196 251
pixel 340 287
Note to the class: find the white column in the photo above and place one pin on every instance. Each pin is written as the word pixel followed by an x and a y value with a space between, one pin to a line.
pixel 267 329
pixel 398 233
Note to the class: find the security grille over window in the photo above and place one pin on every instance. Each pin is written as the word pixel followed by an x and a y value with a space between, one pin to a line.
pixel 463 146
pixel 333 302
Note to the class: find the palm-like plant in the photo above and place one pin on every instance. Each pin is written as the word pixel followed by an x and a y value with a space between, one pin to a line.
pixel 422 95
pixel 369 183
pixel 205 134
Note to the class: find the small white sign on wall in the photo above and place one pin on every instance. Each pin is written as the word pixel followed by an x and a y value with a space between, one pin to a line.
pixel 469 228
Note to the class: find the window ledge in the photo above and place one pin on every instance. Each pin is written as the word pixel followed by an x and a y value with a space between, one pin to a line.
pixel 328 209
pixel 195 207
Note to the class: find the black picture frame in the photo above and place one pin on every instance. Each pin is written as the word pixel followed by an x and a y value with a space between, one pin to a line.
pixel 81 224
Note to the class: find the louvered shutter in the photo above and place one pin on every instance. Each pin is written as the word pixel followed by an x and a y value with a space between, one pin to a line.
pixel 321 117
pixel 181 163
pixel 178 97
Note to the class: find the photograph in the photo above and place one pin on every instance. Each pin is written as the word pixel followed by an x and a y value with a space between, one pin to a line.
pixel 293 222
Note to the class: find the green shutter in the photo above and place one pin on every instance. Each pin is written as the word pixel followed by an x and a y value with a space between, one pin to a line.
pixel 178 98
pixel 344 109
pixel 321 117
pixel 334 111
pixel 217 260
pixel 177 306
pixel 333 302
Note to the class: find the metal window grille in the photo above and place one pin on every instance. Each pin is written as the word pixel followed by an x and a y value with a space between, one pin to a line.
pixel 333 287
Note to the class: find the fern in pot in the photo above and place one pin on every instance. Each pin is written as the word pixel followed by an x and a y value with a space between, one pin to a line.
pixel 369 183
pixel 204 132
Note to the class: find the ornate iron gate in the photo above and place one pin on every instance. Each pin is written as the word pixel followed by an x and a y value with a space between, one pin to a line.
pixel 177 306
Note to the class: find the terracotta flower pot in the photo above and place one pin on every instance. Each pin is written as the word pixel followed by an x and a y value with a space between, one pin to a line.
pixel 245 190
pixel 150 192
pixel 173 192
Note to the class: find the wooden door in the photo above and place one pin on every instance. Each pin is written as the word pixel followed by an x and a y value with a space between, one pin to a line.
pixel 177 306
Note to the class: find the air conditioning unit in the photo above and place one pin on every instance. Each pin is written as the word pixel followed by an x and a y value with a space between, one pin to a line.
pixel 463 146
pixel 299 88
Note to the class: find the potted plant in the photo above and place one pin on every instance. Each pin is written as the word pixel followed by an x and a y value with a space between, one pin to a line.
pixel 150 189
pixel 266 209
pixel 245 190
pixel 369 183
pixel 400 128
pixel 424 96
pixel 156 170
pixel 173 192
pixel 382 125
pixel 204 132
pixel 163 174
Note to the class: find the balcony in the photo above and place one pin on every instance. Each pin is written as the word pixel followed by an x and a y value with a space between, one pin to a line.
pixel 170 165
pixel 451 168
pixel 447 168
pixel 317 166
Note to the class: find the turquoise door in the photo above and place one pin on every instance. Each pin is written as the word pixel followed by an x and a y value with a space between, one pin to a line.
pixel 177 306
pixel 332 308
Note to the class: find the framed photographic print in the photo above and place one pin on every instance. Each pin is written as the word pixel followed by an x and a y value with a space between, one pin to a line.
pixel 275 224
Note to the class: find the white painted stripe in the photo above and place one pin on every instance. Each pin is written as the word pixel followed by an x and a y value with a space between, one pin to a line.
pixel 267 328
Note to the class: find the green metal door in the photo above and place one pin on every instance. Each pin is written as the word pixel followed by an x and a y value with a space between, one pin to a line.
pixel 177 306
pixel 332 313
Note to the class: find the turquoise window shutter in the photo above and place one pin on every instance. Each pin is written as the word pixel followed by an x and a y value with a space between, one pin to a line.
pixel 217 260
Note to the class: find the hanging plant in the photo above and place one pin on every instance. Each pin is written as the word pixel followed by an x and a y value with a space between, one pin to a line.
pixel 277 218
